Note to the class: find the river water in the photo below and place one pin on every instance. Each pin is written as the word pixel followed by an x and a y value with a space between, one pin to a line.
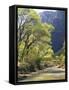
pixel 52 73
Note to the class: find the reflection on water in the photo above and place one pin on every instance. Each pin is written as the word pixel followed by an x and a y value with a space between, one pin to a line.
pixel 53 75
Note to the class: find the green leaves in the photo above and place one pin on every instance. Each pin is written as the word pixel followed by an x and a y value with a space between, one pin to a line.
pixel 34 15
pixel 34 41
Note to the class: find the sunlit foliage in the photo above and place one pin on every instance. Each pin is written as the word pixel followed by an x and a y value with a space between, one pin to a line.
pixel 34 43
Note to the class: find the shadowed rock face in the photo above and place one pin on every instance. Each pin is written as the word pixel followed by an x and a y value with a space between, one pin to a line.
pixel 58 20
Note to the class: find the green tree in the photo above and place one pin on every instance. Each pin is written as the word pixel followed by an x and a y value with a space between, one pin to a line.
pixel 34 37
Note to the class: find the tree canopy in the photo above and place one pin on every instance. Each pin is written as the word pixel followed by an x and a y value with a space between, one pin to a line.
pixel 34 40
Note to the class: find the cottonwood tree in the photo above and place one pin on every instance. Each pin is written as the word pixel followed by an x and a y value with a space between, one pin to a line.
pixel 34 37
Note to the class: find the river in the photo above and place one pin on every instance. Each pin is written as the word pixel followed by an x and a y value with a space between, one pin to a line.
pixel 52 73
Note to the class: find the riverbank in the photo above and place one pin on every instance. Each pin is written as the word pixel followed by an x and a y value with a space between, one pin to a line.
pixel 50 73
